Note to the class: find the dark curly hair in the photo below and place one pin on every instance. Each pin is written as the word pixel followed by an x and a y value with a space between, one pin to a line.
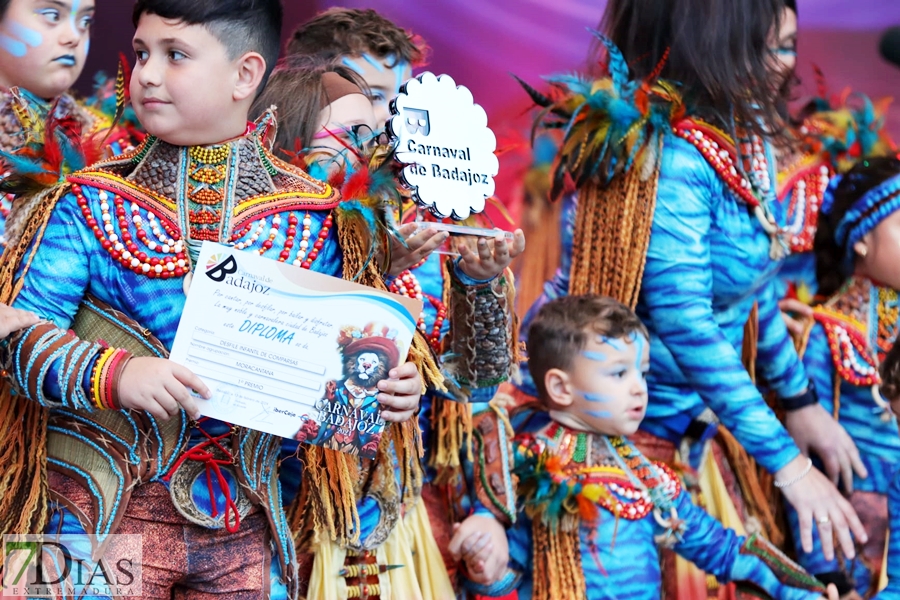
pixel 354 32
pixel 857 182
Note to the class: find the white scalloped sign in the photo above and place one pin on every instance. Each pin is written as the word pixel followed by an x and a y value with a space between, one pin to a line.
pixel 443 138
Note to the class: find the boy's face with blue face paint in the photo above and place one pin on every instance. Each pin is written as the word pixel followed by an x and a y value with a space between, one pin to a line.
pixel 384 76
pixel 44 44
pixel 605 390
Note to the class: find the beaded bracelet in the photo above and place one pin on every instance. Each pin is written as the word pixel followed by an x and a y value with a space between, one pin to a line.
pixel 786 484
pixel 97 377
pixel 105 377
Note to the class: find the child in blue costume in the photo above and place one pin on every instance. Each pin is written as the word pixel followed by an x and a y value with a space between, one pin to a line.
pixel 333 146
pixel 593 509
pixel 890 389
pixel 854 329
pixel 675 214
pixel 832 134
pixel 43 49
pixel 123 449
pixel 472 520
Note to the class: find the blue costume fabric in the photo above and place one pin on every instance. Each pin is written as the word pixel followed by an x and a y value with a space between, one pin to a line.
pixel 892 591
pixel 707 263
pixel 153 188
pixel 853 331
pixel 619 557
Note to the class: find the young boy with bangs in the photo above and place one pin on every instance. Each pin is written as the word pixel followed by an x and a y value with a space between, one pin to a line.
pixel 594 509
pixel 126 450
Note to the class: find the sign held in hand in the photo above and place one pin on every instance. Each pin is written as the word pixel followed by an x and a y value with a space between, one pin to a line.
pixel 443 138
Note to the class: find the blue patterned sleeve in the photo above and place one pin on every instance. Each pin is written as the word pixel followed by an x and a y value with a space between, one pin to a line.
pixel 719 552
pixel 777 358
pixel 53 287
pixel 820 367
pixel 677 294
pixel 892 591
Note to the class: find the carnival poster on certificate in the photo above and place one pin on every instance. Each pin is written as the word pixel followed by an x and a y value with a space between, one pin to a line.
pixel 292 352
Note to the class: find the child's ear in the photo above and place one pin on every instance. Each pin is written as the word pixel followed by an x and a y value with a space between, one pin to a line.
pixel 559 388
pixel 251 70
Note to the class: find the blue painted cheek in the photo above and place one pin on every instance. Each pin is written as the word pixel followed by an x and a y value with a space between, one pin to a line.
pixel 13 47
pixel 594 397
pixel 29 36
pixel 599 414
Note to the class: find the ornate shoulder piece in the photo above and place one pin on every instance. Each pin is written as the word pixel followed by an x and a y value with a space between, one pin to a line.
pixel 805 181
pixel 720 151
pixel 849 347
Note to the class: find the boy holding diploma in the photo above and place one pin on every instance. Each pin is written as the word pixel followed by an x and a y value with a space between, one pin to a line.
pixel 128 232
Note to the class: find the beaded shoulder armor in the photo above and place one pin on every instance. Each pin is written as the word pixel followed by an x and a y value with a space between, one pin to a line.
pixel 804 179
pixel 236 192
pixel 567 475
pixel 846 321
pixel 721 152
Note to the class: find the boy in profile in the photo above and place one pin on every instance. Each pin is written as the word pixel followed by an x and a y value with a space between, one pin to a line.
pixel 126 450
pixel 595 509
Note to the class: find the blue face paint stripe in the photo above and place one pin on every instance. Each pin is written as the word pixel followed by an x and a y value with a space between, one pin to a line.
pixel 373 61
pixel 600 414
pixel 350 63
pixel 595 356
pixel 594 397
pixel 13 47
pixel 73 16
pixel 29 36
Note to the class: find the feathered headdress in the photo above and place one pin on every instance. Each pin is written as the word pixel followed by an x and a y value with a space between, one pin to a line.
pixel 607 123
pixel 54 147
pixel 612 130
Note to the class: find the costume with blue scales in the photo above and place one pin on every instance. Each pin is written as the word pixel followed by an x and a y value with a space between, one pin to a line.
pixel 119 242
pixel 595 512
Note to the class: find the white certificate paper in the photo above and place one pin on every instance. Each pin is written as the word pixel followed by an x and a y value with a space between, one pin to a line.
pixel 291 352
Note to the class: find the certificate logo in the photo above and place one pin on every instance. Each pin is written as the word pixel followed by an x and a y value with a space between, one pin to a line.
pixel 220 266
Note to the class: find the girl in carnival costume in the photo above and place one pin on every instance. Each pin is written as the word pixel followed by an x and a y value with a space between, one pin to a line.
pixel 387 548
pixel 675 213
pixel 856 254
pixel 831 134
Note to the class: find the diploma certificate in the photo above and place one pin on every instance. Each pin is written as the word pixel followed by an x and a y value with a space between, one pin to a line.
pixel 291 352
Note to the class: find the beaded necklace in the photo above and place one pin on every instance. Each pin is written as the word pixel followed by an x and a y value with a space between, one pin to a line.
pixel 165 252
pixel 632 488
pixel 407 284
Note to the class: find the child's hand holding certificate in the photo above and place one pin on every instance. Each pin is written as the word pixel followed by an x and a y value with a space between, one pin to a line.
pixel 291 352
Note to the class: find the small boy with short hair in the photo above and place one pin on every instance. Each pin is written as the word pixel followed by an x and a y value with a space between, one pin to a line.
pixel 126 451
pixel 595 509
